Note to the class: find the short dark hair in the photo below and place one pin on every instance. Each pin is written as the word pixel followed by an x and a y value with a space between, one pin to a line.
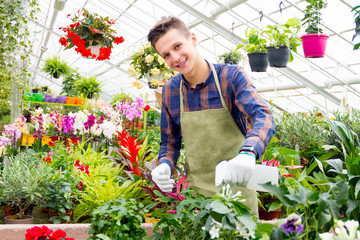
pixel 163 26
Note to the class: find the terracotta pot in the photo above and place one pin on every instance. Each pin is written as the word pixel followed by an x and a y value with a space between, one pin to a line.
pixel 13 220
pixel 265 215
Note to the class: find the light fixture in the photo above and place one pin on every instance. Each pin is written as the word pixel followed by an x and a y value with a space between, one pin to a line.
pixel 59 5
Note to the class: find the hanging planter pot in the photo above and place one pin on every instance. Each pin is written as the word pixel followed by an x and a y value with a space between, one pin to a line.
pixel 258 61
pixel 314 45
pixel 55 75
pixel 94 50
pixel 90 95
pixel 35 90
pixel 44 89
pixel 154 79
pixel 278 57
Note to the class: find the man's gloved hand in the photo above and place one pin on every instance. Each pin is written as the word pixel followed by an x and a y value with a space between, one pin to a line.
pixel 237 170
pixel 161 176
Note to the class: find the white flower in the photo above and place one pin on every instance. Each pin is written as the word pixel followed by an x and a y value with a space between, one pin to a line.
pixel 215 230
pixel 326 236
pixel 341 231
pixel 351 226
pixel 161 60
pixel 149 58
pixel 108 129
pixel 328 147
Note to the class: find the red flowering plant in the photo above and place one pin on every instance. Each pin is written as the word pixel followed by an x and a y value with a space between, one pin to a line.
pixel 44 233
pixel 89 30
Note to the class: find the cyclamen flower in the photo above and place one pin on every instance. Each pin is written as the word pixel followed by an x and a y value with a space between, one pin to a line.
pixel 292 225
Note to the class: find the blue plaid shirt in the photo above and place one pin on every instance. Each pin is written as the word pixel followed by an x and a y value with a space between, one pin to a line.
pixel 249 111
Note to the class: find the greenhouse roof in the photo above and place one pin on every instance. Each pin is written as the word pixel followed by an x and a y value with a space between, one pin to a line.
pixel 219 25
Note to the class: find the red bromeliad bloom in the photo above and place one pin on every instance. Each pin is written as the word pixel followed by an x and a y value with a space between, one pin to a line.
pixel 82 167
pixel 130 147
pixel 90 29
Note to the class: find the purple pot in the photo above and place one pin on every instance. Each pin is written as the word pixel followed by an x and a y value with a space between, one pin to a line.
pixel 53 100
pixel 48 96
pixel 47 99
pixel 61 99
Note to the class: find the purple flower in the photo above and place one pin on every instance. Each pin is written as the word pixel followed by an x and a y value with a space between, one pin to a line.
pixel 4 141
pixel 12 130
pixel 101 120
pixel 90 122
pixel 292 225
pixel 68 124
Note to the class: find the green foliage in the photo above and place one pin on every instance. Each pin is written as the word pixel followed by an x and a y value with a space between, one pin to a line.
pixel 122 97
pixel 318 209
pixel 119 219
pixel 24 180
pixel 356 9
pixel 88 86
pixel 305 130
pixel 197 215
pixel 231 57
pixel 285 34
pixel 313 19
pixel 255 42
pixel 69 83
pixel 55 66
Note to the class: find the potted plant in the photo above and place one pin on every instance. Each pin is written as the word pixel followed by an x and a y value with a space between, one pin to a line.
pixel 230 57
pixel 146 62
pixel 56 67
pixel 357 25
pixel 88 86
pixel 314 42
pixel 91 35
pixel 24 179
pixel 256 49
pixel 283 39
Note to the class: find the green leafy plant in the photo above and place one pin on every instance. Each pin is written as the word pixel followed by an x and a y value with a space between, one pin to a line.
pixel 56 67
pixel 231 57
pixel 24 180
pixel 285 35
pixel 313 19
pixel 88 86
pixel 223 216
pixel 69 84
pixel 118 219
pixel 356 9
pixel 255 42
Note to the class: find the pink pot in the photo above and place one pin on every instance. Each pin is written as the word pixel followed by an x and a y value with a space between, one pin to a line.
pixel 314 45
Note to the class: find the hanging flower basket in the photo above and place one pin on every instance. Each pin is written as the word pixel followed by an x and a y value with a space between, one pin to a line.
pixel 314 45
pixel 258 61
pixel 88 31
pixel 278 57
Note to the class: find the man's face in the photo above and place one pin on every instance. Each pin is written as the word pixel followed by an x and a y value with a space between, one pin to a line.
pixel 178 51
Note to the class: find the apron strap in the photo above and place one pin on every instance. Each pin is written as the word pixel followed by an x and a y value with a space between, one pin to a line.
pixel 217 86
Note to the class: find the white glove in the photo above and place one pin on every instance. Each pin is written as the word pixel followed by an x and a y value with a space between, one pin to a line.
pixel 161 176
pixel 237 170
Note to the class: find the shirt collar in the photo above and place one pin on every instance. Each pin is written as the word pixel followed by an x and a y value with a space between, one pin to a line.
pixel 201 85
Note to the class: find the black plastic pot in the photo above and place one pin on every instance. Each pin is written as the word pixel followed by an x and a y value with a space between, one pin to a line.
pixel 90 95
pixel 35 90
pixel 44 89
pixel 55 75
pixel 258 61
pixel 278 57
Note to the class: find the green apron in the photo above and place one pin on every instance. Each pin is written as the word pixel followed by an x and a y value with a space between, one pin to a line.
pixel 211 136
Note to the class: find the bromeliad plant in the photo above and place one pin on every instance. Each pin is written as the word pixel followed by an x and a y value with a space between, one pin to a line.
pixel 90 29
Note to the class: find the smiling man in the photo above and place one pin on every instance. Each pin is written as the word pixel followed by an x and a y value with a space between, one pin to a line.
pixel 210 106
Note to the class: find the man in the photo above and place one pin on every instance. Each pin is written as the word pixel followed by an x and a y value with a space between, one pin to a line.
pixel 209 106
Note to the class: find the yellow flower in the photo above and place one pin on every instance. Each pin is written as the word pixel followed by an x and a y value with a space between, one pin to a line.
pixel 141 50
pixel 154 82
pixel 155 71
pixel 161 60
pixel 21 125
pixel 131 71
pixel 149 58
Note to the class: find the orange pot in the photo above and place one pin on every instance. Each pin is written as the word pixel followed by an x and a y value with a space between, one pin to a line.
pixel 79 101
pixel 70 100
